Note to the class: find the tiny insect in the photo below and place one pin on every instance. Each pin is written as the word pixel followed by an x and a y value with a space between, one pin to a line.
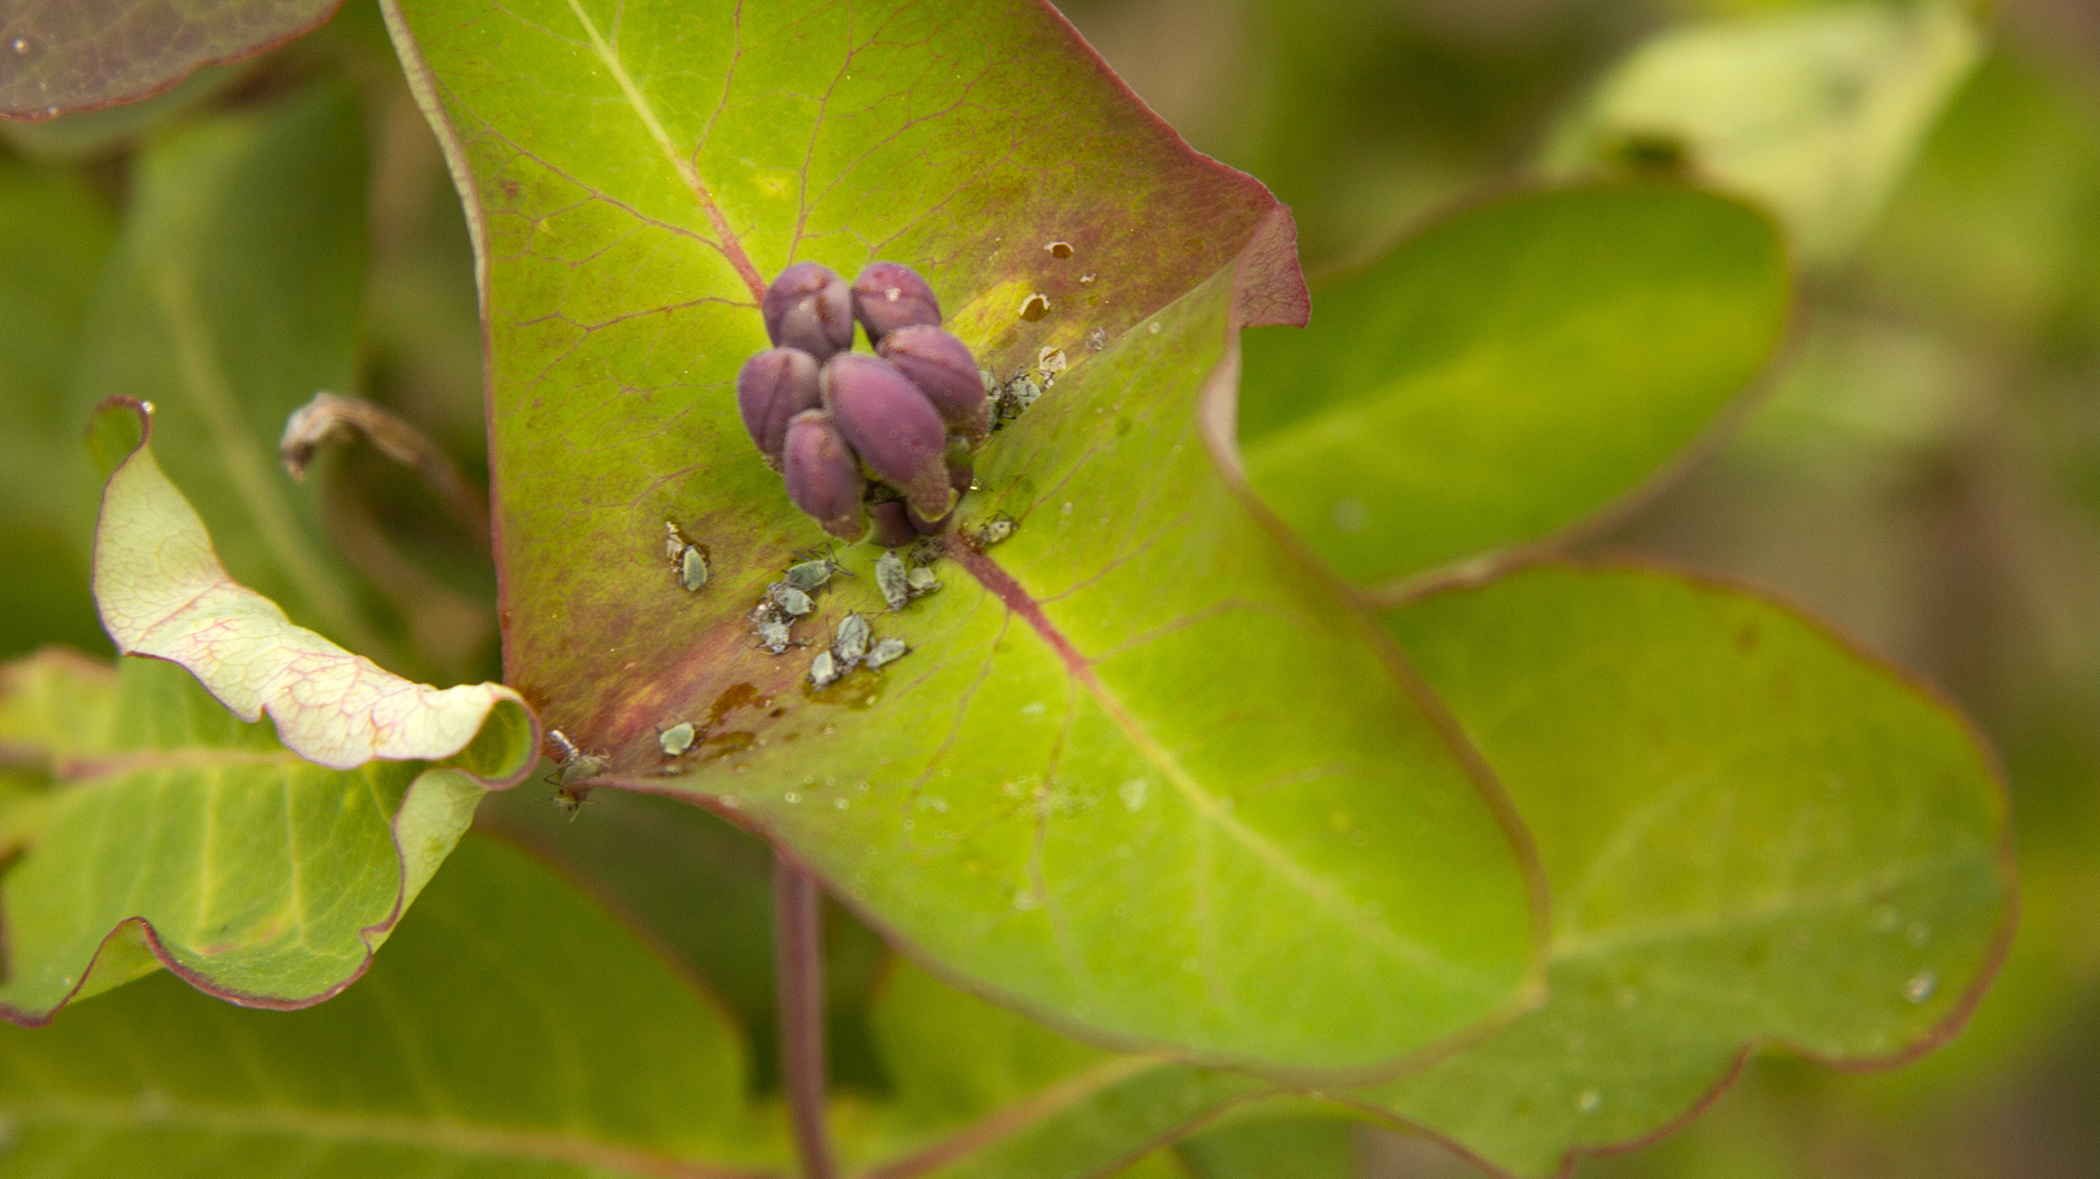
pixel 676 739
pixel 811 574
pixel 921 582
pixel 996 529
pixel 675 542
pixel 823 670
pixel 773 636
pixel 572 764
pixel 571 799
pixel 692 568
pixel 852 641
pixel 1097 339
pixel 886 651
pixel 892 580
pixel 792 602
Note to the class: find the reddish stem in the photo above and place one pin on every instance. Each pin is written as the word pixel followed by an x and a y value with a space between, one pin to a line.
pixel 798 982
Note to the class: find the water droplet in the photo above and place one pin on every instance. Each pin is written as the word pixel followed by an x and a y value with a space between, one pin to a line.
pixel 21 44
pixel 1921 987
pixel 1154 329
pixel 1918 934
pixel 1588 1101
pixel 839 804
pixel 791 797
pixel 1069 507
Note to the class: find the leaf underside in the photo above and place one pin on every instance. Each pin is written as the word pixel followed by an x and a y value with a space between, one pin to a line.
pixel 1054 795
pixel 67 55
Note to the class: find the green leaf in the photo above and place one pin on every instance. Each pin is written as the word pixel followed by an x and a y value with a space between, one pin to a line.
pixel 54 235
pixel 1264 1147
pixel 66 55
pixel 512 1029
pixel 234 297
pixel 1817 112
pixel 1508 372
pixel 185 836
pixel 1754 833
pixel 1142 772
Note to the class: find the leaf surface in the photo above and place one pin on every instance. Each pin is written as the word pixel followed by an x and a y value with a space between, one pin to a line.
pixel 177 834
pixel 1142 771
pixel 1508 372
pixel 1816 112
pixel 512 1029
pixel 67 55
pixel 1754 834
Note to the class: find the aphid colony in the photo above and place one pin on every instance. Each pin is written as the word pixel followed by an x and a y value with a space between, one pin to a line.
pixel 870 446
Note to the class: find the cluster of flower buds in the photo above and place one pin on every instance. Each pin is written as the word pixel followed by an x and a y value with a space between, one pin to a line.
pixel 882 440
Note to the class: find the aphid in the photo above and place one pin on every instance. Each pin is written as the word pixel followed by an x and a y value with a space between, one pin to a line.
pixel 892 580
pixel 676 739
pixel 824 670
pixel 885 652
pixel 773 635
pixel 851 641
pixel 571 799
pixel 996 529
pixel 692 568
pixel 926 551
pixel 792 602
pixel 1019 392
pixel 572 765
pixel 811 575
pixel 921 582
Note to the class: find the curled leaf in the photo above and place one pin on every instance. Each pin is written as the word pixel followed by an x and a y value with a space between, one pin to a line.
pixel 162 592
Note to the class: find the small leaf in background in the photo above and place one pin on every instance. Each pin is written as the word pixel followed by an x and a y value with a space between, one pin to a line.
pixel 1139 768
pixel 1262 1146
pixel 1755 835
pixel 1815 112
pixel 54 235
pixel 1508 372
pixel 512 1029
pixel 232 300
pixel 176 833
pixel 65 55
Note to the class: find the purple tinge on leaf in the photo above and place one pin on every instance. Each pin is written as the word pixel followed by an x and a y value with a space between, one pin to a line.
pixel 823 478
pixel 889 296
pixel 809 307
pixel 892 426
pixel 772 388
pixel 943 369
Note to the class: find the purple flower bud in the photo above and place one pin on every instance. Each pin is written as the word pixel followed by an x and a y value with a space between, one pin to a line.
pixel 810 308
pixel 892 524
pixel 943 369
pixel 921 526
pixel 892 426
pixel 771 388
pixel 890 295
pixel 822 477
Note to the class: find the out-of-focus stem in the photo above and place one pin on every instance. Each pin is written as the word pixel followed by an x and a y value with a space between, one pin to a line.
pixel 798 982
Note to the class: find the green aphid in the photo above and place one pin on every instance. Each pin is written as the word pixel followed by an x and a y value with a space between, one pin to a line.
pixel 892 580
pixel 810 576
pixel 824 670
pixel 996 529
pixel 692 567
pixel 676 739
pixel 792 602
pixel 851 642
pixel 572 764
pixel 886 651
pixel 921 582
pixel 773 635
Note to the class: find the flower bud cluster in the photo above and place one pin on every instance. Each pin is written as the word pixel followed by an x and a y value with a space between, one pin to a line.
pixel 880 441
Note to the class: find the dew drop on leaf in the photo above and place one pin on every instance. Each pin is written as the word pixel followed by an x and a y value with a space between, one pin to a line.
pixel 1921 986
